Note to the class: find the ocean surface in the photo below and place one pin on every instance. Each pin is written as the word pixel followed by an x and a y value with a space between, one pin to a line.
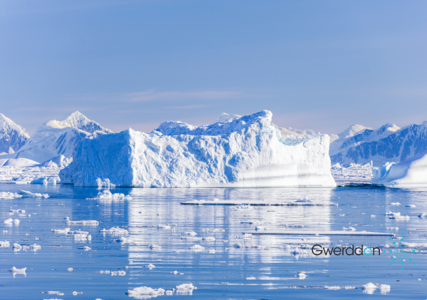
pixel 243 267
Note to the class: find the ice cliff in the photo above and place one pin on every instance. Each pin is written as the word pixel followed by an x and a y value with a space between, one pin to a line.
pixel 56 138
pixel 12 136
pixel 237 151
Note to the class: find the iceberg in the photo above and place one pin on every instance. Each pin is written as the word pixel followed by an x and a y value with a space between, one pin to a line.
pixel 246 151
pixel 410 173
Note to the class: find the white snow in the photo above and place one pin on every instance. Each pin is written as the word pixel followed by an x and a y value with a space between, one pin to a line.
pixel 397 216
pixel 245 152
pixel 384 289
pixel 12 136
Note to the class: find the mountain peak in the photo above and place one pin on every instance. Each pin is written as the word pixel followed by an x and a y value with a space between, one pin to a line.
pixel 352 131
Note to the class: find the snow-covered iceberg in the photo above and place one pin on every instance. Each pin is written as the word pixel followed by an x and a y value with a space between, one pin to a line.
pixel 406 174
pixel 239 152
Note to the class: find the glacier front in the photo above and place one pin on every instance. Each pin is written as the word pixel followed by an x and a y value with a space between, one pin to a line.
pixel 247 151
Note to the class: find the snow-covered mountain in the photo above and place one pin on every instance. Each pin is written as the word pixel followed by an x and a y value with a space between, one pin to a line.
pixel 12 136
pixel 238 151
pixel 56 138
pixel 388 143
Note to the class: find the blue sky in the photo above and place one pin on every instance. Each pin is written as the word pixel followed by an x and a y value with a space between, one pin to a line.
pixel 322 65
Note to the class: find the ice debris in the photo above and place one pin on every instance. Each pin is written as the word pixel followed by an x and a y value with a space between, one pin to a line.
pixel 27 194
pixel 397 216
pixel 143 291
pixel 115 231
pixel 107 195
pixel 82 222
pixel 18 271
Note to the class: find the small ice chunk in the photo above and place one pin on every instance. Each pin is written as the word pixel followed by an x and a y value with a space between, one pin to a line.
pixel 332 287
pixel 26 194
pixel 18 271
pixel 8 222
pixel 302 275
pixel 251 278
pixel 4 244
pixel 143 291
pixel 411 205
pixel 192 233
pixel 8 195
pixel 155 247
pixel 16 247
pixel 369 288
pixel 212 251
pixel 82 222
pixel 85 248
pixel 209 239
pixel 422 216
pixel 115 231
pixel 61 231
pixel 384 289
pixel 34 247
pixel 395 203
pixel 70 269
pixel 165 227
pixel 55 293
pixel 77 293
pixel 150 266
pixel 185 289
pixel 107 195
pixel 197 248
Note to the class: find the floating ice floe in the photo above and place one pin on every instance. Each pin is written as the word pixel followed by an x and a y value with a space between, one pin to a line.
pixel 27 194
pixel 143 291
pixel 107 195
pixel 118 273
pixel 8 195
pixel 302 275
pixel 8 221
pixel 166 227
pixel 395 203
pixel 61 231
pixel 251 278
pixel 197 248
pixel 77 293
pixel 397 216
pixel 393 228
pixel 422 216
pixel 70 269
pixel 85 248
pixel 150 266
pixel 384 289
pixel 34 247
pixel 4 244
pixel 58 293
pixel 334 288
pixel 192 233
pixel 242 207
pixel 185 289
pixel 82 222
pixel 211 251
pixel 411 205
pixel 115 231
pixel 369 288
pixel 16 222
pixel 16 271
pixel 349 228
pixel 130 240
pixel 16 247
pixel 209 239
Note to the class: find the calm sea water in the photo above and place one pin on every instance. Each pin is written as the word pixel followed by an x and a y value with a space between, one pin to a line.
pixel 223 274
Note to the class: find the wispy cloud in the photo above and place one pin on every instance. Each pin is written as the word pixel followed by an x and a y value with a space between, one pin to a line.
pixel 153 95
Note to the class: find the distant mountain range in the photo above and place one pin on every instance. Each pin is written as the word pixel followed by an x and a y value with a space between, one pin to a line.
pixel 12 136
pixel 54 138
pixel 389 143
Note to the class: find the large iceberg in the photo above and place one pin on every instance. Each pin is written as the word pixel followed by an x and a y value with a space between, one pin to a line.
pixel 406 174
pixel 12 136
pixel 56 138
pixel 243 151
